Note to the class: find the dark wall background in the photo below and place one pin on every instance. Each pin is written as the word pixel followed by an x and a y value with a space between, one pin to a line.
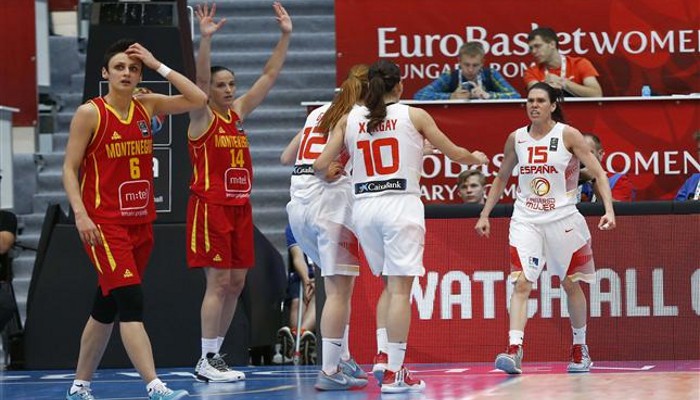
pixel 64 284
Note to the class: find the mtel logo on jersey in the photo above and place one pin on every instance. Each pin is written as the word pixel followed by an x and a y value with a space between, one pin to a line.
pixel 380 186
pixel 540 186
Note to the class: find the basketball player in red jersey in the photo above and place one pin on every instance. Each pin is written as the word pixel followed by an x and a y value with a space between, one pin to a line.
pixel 219 216
pixel 111 141
pixel 546 228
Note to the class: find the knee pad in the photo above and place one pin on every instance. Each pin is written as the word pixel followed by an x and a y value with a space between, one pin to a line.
pixel 129 301
pixel 104 308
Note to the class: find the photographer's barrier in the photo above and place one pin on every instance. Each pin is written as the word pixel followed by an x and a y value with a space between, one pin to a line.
pixel 645 305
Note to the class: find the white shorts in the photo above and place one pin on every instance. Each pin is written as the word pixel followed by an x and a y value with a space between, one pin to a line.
pixel 563 245
pixel 323 230
pixel 391 230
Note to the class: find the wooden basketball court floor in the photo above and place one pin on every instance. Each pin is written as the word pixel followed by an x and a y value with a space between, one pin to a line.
pixel 629 380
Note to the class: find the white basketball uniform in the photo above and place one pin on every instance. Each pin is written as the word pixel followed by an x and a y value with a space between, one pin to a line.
pixel 320 212
pixel 546 228
pixel 388 214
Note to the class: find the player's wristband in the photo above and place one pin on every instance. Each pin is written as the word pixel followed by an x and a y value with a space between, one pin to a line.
pixel 163 70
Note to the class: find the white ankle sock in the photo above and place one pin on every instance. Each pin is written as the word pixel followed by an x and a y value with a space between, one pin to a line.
pixel 219 342
pixel 209 346
pixel 153 385
pixel 382 340
pixel 345 348
pixel 397 354
pixel 331 354
pixel 515 337
pixel 579 335
pixel 79 384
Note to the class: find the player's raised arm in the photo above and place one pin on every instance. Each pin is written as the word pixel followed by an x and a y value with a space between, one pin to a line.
pixel 248 102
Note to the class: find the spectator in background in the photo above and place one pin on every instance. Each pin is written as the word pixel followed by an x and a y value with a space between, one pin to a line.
pixel 470 186
pixel 576 76
pixel 470 81
pixel 620 184
pixel 691 188
pixel 8 231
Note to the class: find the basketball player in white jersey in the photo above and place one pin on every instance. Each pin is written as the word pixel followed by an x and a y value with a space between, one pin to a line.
pixel 546 228
pixel 319 215
pixel 385 143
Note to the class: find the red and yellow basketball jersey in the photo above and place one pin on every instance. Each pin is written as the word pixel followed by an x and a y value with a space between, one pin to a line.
pixel 222 170
pixel 117 170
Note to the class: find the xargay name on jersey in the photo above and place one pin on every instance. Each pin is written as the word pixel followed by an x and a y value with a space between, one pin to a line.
pixel 129 148
pixel 380 186
pixel 231 141
pixel 540 204
pixel 538 169
pixel 386 125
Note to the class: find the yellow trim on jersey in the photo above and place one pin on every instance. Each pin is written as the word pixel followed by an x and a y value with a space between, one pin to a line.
pixel 193 234
pixel 144 109
pixel 97 260
pixel 227 118
pixel 98 199
pixel 110 257
pixel 99 121
pixel 194 172
pixel 207 245
pixel 213 119
pixel 119 117
pixel 206 168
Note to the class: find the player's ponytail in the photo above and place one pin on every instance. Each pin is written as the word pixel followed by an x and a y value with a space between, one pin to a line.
pixel 352 90
pixel 383 77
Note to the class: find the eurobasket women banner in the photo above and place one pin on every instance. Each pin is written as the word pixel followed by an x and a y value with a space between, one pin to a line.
pixel 649 140
pixel 631 43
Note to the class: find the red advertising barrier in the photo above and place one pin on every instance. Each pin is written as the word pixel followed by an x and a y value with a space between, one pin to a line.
pixel 650 139
pixel 645 306
pixel 18 81
pixel 631 43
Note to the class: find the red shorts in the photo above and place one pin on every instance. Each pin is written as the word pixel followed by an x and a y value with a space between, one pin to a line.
pixel 219 236
pixel 121 259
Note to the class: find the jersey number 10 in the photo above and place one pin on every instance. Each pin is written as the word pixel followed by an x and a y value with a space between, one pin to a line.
pixel 372 154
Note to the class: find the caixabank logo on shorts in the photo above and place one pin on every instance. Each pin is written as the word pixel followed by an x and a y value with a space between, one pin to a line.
pixel 540 186
pixel 380 186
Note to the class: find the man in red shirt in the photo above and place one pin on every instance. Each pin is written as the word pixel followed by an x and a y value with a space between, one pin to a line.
pixel 620 184
pixel 576 76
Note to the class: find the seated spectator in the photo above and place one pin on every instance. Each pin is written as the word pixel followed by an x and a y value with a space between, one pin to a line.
pixel 470 81
pixel 620 185
pixel 301 274
pixel 470 186
pixel 576 76
pixel 691 188
pixel 8 231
